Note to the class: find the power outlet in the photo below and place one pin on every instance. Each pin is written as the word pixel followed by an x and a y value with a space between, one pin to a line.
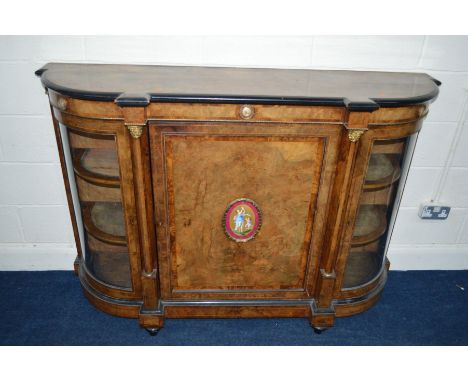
pixel 433 212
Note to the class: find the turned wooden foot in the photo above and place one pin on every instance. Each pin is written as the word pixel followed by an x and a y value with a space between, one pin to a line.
pixel 319 329
pixel 152 331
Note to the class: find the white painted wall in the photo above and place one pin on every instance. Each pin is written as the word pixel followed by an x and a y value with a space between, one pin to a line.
pixel 35 229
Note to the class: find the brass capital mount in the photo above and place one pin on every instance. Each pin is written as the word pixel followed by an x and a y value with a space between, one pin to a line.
pixel 135 130
pixel 355 134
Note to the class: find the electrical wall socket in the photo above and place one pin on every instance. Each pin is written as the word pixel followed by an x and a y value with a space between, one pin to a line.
pixel 433 211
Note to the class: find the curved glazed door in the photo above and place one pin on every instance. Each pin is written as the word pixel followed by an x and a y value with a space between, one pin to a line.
pixel 101 186
pixel 378 205
pixel 214 182
pixel 383 159
pixel 97 176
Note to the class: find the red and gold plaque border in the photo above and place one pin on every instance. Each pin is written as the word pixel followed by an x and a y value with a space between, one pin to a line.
pixel 258 224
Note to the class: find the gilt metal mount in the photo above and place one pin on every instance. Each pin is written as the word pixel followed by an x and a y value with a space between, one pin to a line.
pixel 135 130
pixel 355 134
pixel 328 275
pixel 150 275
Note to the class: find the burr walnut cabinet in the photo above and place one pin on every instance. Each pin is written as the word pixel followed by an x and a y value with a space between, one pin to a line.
pixel 233 192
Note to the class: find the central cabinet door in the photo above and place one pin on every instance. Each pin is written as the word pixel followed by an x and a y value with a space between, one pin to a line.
pixel 241 207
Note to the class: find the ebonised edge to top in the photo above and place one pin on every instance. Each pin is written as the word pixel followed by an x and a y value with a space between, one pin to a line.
pixel 132 98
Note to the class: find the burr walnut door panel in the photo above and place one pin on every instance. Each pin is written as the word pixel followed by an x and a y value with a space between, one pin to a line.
pixel 267 245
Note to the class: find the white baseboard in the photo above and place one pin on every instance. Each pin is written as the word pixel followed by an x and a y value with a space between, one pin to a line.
pixel 427 257
pixel 42 257
pixel 37 257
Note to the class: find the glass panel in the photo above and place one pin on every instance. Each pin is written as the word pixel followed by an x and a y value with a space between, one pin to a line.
pixel 96 168
pixel 372 227
pixel 99 161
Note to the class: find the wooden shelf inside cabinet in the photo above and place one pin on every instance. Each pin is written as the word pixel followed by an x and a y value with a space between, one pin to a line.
pixel 112 268
pixel 105 221
pixel 361 267
pixel 391 146
pixel 383 171
pixel 371 223
pixel 97 166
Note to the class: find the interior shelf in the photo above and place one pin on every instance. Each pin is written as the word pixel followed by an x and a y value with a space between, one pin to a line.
pixel 105 221
pixel 371 223
pixel 97 166
pixel 113 268
pixel 391 146
pixel 383 170
pixel 361 267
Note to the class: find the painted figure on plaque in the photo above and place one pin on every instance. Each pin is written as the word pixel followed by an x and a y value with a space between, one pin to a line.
pixel 248 223
pixel 239 218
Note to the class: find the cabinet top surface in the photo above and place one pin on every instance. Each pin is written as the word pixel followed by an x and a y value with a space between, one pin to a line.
pixel 137 85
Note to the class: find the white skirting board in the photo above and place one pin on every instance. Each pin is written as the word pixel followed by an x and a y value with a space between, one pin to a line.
pixel 427 257
pixel 42 257
pixel 37 257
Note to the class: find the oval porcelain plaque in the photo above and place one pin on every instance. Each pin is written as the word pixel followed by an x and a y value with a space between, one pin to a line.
pixel 242 220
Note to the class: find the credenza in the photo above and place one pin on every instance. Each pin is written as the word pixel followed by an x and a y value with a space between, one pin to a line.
pixel 233 192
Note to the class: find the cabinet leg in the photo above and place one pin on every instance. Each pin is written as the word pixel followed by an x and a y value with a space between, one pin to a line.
pixel 321 318
pixel 319 329
pixel 152 331
pixel 152 322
